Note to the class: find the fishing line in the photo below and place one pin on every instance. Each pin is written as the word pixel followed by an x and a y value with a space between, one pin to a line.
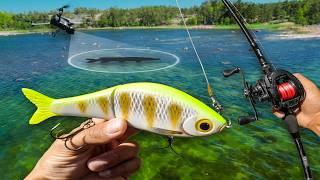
pixel 192 43
pixel 215 103
pixel 286 91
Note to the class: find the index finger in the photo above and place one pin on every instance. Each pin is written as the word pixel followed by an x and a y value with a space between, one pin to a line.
pixel 131 131
pixel 102 133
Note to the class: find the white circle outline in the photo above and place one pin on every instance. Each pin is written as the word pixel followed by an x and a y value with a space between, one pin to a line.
pixel 120 72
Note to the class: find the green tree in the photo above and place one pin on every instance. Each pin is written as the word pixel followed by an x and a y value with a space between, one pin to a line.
pixel 300 18
pixel 313 12
pixel 209 12
pixel 192 21
pixel 6 20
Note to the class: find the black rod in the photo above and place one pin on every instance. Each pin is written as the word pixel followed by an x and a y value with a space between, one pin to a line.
pixel 303 157
pixel 293 128
pixel 257 50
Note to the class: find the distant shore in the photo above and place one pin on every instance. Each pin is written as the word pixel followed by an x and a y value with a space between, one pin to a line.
pixel 288 29
pixel 20 32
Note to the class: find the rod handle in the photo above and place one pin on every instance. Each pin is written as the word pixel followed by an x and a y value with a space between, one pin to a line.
pixel 291 123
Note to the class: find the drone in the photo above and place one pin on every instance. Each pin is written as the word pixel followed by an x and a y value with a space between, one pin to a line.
pixel 60 22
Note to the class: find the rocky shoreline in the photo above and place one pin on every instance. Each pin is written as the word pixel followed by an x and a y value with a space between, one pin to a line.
pixel 312 31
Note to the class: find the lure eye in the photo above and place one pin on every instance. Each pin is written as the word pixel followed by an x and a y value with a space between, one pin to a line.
pixel 204 125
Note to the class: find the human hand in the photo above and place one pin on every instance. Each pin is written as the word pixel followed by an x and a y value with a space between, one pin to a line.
pixel 309 114
pixel 105 154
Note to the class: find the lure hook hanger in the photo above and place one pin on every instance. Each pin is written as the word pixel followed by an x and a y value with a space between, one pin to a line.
pixel 170 145
pixel 68 137
pixel 170 140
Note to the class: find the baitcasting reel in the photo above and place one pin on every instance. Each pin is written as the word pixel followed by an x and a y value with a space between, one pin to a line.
pixel 286 93
pixel 279 87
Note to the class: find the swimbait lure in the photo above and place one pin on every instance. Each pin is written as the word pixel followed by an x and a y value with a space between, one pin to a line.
pixel 152 107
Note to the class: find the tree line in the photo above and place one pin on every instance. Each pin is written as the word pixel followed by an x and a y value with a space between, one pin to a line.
pixel 304 12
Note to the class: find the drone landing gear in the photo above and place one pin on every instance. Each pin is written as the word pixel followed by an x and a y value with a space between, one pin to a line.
pixel 54 33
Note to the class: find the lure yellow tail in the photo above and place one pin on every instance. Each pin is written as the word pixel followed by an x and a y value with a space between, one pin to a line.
pixel 42 102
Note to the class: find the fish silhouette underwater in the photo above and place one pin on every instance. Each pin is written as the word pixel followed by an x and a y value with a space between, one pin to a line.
pixel 151 107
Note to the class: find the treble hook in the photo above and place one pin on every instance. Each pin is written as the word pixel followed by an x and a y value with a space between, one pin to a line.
pixel 86 125
pixel 170 143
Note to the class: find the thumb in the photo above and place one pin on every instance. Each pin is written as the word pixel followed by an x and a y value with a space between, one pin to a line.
pixel 102 133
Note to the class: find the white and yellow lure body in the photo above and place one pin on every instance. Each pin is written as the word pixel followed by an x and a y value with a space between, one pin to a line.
pixel 147 106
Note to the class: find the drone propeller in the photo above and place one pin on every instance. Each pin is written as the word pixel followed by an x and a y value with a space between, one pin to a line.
pixel 65 6
pixel 39 24
pixel 77 22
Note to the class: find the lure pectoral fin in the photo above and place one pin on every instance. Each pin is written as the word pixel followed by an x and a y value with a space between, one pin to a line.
pixel 43 104
pixel 166 132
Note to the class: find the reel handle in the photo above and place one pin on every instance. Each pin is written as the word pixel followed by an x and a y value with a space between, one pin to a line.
pixel 230 72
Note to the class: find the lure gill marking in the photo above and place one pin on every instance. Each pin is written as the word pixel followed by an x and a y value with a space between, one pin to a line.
pixel 82 105
pixel 149 106
pixel 125 105
pixel 104 105
pixel 174 112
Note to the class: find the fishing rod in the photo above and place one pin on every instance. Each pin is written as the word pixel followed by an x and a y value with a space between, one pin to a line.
pixel 277 86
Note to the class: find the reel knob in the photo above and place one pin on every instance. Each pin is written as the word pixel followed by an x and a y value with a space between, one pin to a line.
pixel 243 120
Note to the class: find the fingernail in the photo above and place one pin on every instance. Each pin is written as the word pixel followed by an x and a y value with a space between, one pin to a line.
pixel 114 126
pixel 106 173
pixel 97 165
